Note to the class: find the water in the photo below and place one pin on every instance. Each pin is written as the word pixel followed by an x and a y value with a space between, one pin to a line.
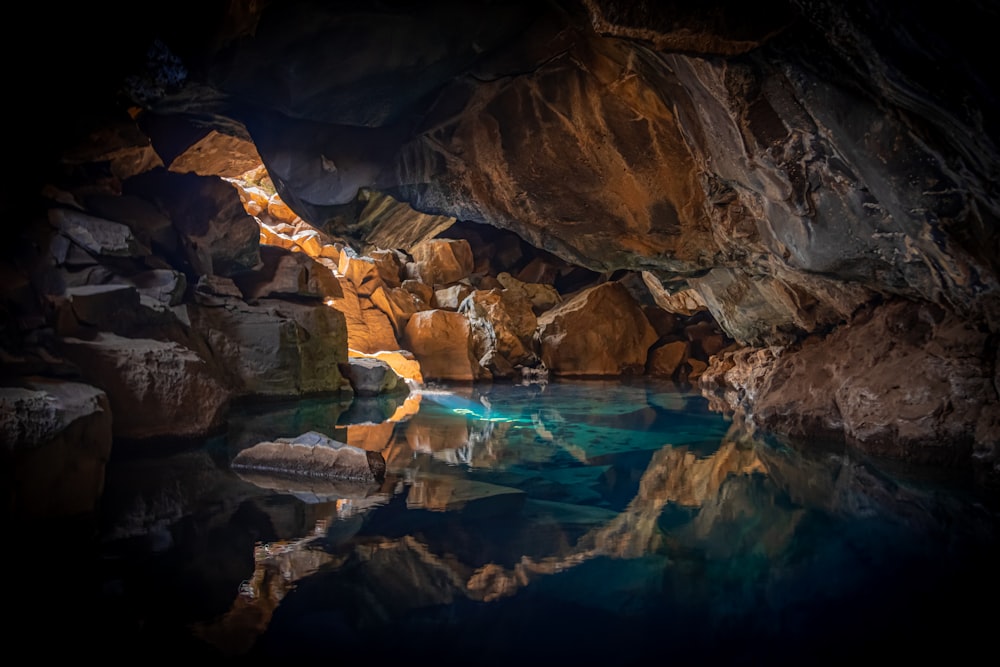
pixel 591 522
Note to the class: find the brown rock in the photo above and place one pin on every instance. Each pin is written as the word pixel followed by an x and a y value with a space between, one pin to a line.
pixel 313 454
pixel 155 388
pixel 441 261
pixel 665 360
pixel 442 342
pixel 600 331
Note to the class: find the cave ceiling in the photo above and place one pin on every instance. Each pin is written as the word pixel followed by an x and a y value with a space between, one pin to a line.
pixel 789 160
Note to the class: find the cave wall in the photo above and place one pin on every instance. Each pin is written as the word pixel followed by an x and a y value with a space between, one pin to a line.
pixel 794 164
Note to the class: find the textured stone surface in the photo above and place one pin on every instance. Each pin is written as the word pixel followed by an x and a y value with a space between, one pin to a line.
pixel 312 454
pixel 442 342
pixel 372 377
pixel 903 380
pixel 600 331
pixel 155 388
pixel 275 348
pixel 56 441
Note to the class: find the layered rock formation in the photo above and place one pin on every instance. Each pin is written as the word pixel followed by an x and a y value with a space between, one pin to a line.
pixel 813 174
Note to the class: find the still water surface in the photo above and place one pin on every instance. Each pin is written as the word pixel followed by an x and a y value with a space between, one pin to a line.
pixel 591 522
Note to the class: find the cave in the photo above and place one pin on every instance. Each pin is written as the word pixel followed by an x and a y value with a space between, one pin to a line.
pixel 789 208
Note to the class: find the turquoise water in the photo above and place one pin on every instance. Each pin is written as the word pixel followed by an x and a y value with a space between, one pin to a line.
pixel 582 523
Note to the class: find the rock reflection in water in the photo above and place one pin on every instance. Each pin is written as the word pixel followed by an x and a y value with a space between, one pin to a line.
pixel 578 521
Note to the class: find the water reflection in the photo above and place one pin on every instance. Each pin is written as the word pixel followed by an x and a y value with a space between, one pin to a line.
pixel 594 522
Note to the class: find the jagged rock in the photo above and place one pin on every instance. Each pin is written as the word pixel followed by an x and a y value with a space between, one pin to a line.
pixel 503 325
pixel 449 298
pixel 664 360
pixel 369 329
pixel 441 261
pixel 401 361
pixel 442 342
pixel 902 380
pixel 155 388
pixel 96 235
pixel 600 331
pixel 683 302
pixel 288 274
pixel 164 285
pixel 398 305
pixel 276 347
pixel 215 154
pixel 56 441
pixel 541 296
pixel 218 236
pixel 312 455
pixel 361 271
pixel 372 377
pixel 389 264
pixel 421 290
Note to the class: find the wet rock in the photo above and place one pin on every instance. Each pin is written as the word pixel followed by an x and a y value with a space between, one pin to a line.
pixel 312 455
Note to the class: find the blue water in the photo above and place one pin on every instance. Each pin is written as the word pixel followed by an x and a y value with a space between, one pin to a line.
pixel 574 523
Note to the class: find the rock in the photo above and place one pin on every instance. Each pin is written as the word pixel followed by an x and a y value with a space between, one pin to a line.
pixel 685 302
pixel 665 360
pixel 96 235
pixel 213 153
pixel 441 261
pixel 218 236
pixel 372 377
pixel 56 441
pixel 275 348
pixel 155 388
pixel 542 297
pixel 600 331
pixel 401 361
pixel 361 271
pixel 315 455
pixel 288 274
pixel 398 305
pixel 441 341
pixel 503 325
pixel 164 285
pixel 369 329
pixel 903 380
pixel 449 298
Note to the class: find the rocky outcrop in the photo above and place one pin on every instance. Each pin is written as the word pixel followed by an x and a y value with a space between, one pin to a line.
pixel 154 388
pixel 57 439
pixel 904 380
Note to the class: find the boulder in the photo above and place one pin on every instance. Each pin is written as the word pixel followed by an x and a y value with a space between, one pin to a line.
pixel 441 261
pixel 56 438
pixel 276 347
pixel 155 388
pixel 441 340
pixel 599 331
pixel 313 454
pixel 372 377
